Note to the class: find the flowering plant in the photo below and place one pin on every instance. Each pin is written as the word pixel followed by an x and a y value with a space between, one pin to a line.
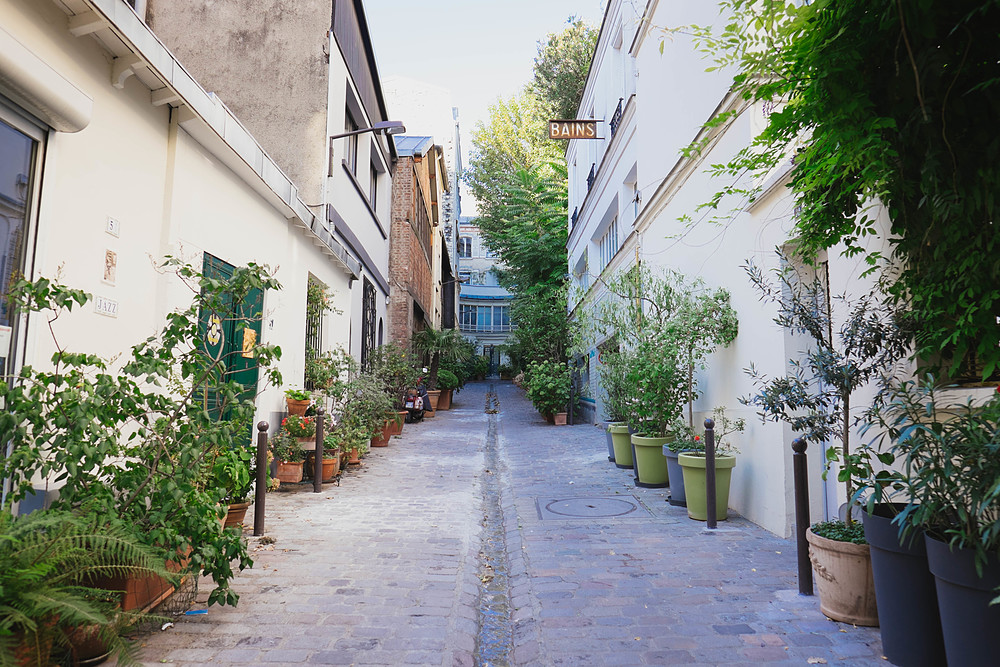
pixel 298 426
pixel 285 448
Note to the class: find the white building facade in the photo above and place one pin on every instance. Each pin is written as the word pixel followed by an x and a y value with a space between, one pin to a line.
pixel 634 197
pixel 112 157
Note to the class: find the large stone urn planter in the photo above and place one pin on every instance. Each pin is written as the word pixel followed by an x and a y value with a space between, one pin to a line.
pixel 843 578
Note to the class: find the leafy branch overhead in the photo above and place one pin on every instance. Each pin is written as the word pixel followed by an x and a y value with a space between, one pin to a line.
pixel 888 101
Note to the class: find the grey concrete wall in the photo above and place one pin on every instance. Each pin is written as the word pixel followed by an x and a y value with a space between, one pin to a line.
pixel 267 60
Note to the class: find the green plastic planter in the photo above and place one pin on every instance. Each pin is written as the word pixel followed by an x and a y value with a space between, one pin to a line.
pixel 650 463
pixel 693 466
pixel 622 445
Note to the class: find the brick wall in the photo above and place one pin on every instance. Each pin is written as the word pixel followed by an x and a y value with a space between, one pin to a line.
pixel 410 276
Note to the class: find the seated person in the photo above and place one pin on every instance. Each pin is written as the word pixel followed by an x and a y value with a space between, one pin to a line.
pixel 414 405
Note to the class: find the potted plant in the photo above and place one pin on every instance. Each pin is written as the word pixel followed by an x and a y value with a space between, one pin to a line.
pixel 548 387
pixel 395 368
pixel 611 376
pixel 950 460
pixel 159 415
pixel 448 382
pixel 438 345
pixel 693 464
pixel 232 473
pixel 298 401
pixel 669 326
pixel 289 457
pixel 49 564
pixel 815 399
pixel 301 428
pixel 330 466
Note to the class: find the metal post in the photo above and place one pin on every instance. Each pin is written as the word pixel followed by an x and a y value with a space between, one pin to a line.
pixel 710 472
pixel 261 486
pixel 318 460
pixel 802 515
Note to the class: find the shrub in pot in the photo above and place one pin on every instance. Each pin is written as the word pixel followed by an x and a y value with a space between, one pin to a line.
pixel 665 326
pixel 448 382
pixel 289 456
pixel 690 453
pixel 160 413
pixel 815 399
pixel 50 566
pixel 438 345
pixel 950 460
pixel 548 386
pixel 395 368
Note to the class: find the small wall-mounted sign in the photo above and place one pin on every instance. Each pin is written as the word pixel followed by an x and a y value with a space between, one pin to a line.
pixel 575 129
pixel 105 306
pixel 110 267
pixel 114 227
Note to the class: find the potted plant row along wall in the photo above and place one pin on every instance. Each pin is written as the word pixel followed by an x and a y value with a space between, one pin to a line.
pixel 950 474
pixel 815 399
pixel 664 327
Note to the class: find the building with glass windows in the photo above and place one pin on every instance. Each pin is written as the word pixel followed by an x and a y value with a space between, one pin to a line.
pixel 483 305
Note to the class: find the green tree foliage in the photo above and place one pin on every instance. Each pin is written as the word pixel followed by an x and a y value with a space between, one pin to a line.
pixel 561 68
pixel 514 139
pixel 887 100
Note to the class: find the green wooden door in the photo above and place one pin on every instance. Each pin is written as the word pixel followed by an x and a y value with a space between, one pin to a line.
pixel 229 336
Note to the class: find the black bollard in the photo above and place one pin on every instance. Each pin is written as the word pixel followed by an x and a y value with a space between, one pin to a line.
pixel 261 486
pixel 710 472
pixel 802 515
pixel 318 456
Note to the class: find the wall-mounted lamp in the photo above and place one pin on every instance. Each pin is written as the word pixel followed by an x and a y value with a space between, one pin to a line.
pixel 388 126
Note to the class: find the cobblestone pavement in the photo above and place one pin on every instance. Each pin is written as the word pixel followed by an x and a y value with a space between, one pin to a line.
pixel 389 567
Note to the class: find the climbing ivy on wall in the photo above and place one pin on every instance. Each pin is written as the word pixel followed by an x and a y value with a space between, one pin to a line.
pixel 886 100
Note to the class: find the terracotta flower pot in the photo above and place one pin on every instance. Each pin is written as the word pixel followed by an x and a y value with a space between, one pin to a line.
pixel 235 515
pixel 382 439
pixel 289 472
pixel 353 457
pixel 843 577
pixel 444 400
pixel 432 398
pixel 559 418
pixel 297 407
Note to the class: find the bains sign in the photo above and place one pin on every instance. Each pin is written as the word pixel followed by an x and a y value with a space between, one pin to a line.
pixel 574 129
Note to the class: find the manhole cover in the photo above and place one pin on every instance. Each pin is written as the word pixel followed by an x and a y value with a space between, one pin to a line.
pixel 601 507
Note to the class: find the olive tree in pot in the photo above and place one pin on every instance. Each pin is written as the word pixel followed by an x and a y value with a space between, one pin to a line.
pixel 611 376
pixel 814 398
pixel 669 326
pixel 950 460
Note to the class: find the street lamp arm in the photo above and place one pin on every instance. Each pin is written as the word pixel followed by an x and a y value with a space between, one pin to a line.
pixel 389 127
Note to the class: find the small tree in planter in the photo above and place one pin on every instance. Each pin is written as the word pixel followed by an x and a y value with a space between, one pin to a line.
pixel 395 367
pixel 815 399
pixel 438 345
pixel 548 386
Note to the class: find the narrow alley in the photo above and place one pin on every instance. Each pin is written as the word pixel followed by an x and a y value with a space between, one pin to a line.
pixel 496 539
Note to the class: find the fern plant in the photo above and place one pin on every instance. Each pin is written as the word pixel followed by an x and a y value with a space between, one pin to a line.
pixel 51 566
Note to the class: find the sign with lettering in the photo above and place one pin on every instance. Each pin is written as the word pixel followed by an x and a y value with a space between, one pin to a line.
pixel 575 129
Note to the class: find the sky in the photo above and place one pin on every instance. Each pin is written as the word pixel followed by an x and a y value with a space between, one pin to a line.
pixel 478 49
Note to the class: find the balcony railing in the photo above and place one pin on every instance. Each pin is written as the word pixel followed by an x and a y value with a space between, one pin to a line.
pixel 487 328
pixel 616 119
pixel 573 218
pixel 591 176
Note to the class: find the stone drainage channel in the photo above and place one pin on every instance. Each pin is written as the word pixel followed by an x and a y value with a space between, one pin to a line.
pixel 494 641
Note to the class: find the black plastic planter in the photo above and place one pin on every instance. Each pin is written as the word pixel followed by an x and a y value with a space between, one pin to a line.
pixel 971 626
pixel 904 589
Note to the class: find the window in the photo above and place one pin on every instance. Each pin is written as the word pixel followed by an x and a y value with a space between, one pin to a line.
pixel 351 154
pixel 502 317
pixel 20 148
pixel 465 246
pixel 609 244
pixel 373 188
pixel 368 321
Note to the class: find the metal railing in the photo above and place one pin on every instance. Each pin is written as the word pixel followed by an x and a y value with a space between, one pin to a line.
pixel 573 218
pixel 616 119
pixel 487 328
pixel 591 176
